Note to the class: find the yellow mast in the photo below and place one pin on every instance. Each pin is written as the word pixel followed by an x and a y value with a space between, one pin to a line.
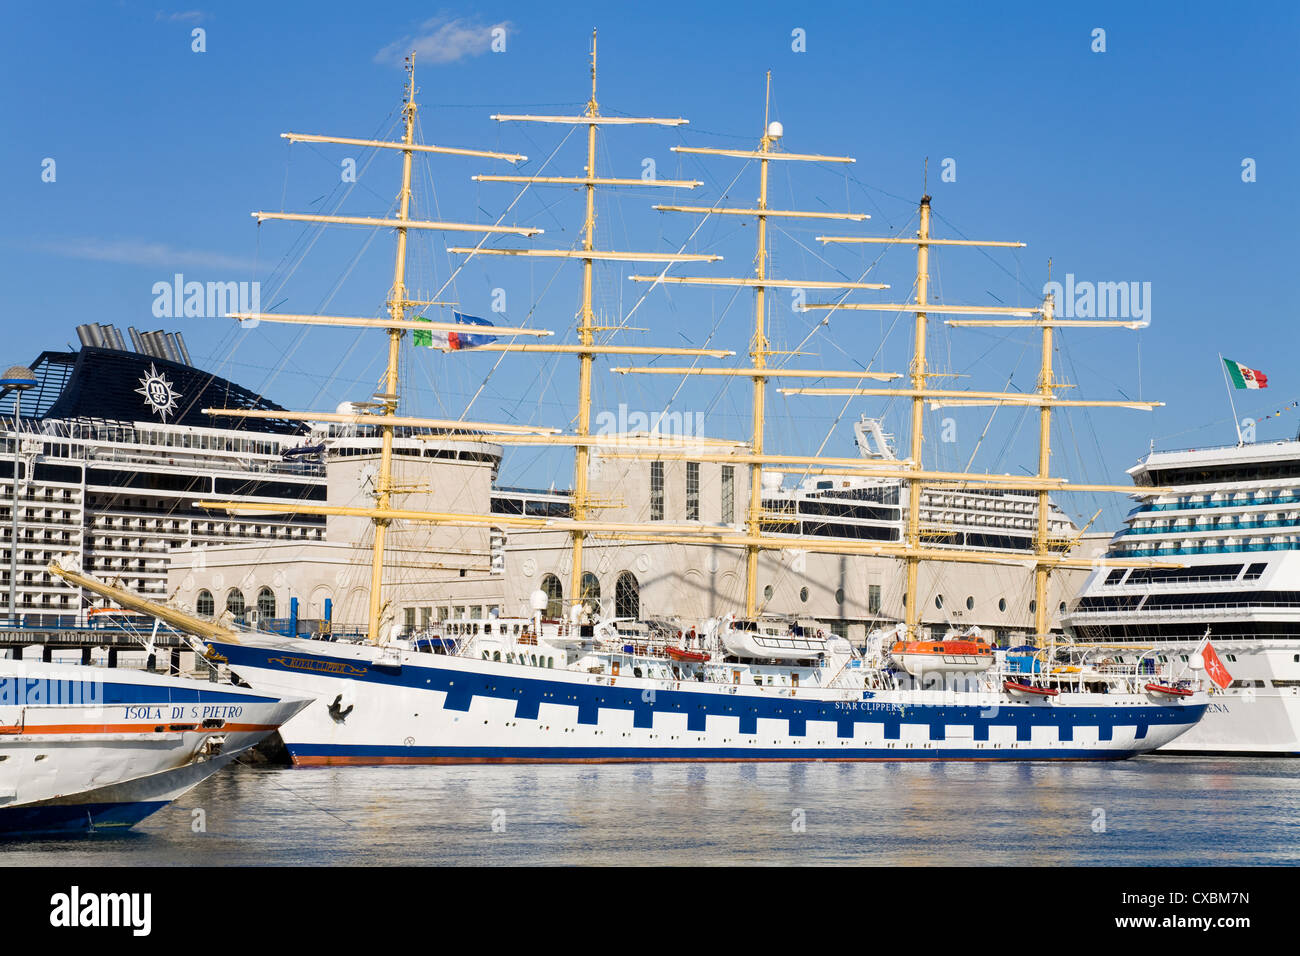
pixel 911 606
pixel 397 322
pixel 759 349
pixel 388 398
pixel 1045 389
pixel 586 338
pixel 586 349
pixel 758 353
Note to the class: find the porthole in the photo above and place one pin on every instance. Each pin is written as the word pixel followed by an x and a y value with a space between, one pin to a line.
pixel 803 595
pixel 767 593
pixel 1002 604
pixel 938 600
pixel 970 603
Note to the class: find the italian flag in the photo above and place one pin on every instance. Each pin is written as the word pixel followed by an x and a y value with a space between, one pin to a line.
pixel 1243 377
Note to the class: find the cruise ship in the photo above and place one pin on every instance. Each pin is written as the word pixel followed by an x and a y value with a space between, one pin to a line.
pixel 1231 516
pixel 114 448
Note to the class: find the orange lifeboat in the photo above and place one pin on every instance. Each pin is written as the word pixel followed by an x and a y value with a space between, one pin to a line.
pixel 953 655
pixel 692 657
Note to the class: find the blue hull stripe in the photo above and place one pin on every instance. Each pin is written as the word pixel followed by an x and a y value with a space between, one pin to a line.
pixel 37 691
pixel 73 818
pixel 529 693
pixel 322 753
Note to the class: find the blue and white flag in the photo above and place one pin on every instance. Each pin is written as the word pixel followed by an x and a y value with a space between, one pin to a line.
pixel 454 341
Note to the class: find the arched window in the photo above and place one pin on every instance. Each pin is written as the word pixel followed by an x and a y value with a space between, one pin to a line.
pixel 235 602
pixel 554 596
pixel 266 603
pixel 590 589
pixel 205 605
pixel 627 596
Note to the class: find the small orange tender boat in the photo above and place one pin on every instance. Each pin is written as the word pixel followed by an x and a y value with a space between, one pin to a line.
pixel 1167 691
pixel 692 657
pixel 929 657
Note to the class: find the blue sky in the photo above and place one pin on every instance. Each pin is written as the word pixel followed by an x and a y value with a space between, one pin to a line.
pixel 1121 166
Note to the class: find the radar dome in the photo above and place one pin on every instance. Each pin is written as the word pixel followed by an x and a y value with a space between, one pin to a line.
pixel 538 600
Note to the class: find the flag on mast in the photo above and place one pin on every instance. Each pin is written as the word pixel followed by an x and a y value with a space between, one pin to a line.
pixel 1214 668
pixel 1243 377
pixel 453 341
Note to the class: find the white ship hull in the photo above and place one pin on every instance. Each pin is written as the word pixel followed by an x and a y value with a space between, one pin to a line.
pixel 375 705
pixel 88 748
pixel 1255 716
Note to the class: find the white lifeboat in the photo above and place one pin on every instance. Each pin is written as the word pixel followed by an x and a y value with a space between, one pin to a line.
pixel 767 640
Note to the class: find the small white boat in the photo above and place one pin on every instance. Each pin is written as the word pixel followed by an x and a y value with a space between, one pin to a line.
pixel 88 748
pixel 768 640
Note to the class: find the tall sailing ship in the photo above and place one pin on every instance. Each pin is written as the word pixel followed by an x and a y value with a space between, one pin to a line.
pixel 739 686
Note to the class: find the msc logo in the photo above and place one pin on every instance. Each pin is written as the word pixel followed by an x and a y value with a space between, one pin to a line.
pixel 158 392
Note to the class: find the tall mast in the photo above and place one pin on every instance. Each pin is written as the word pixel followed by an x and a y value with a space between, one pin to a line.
pixel 587 328
pixel 387 400
pixel 912 607
pixel 586 337
pixel 1041 538
pixel 758 351
pixel 397 323
pixel 1042 317
pixel 759 348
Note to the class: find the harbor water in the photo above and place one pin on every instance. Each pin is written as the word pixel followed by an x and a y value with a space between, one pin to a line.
pixel 1143 812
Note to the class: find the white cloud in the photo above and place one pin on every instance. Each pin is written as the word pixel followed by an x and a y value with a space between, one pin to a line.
pixel 139 252
pixel 442 40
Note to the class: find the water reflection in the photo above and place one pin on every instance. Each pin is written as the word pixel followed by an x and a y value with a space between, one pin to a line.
pixel 1170 811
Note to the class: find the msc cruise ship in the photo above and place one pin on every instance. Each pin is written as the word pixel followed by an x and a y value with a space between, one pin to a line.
pixel 113 450
pixel 1231 515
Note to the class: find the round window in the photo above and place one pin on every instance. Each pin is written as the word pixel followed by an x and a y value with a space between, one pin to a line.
pixel 767 593
pixel 803 594
pixel 970 603
pixel 839 596
pixel 1002 604
pixel 938 600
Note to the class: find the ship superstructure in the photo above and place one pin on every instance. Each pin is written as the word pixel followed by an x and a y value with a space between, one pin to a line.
pixel 112 452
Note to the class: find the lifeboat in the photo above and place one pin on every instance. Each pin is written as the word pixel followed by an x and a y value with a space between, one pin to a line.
pixel 1163 690
pixel 931 657
pixel 690 657
pixel 1016 689
pixel 768 640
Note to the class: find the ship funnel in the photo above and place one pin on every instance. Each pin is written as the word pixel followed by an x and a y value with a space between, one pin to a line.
pixel 113 338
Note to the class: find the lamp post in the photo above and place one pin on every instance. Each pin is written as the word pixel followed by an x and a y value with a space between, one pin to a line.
pixel 17 379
